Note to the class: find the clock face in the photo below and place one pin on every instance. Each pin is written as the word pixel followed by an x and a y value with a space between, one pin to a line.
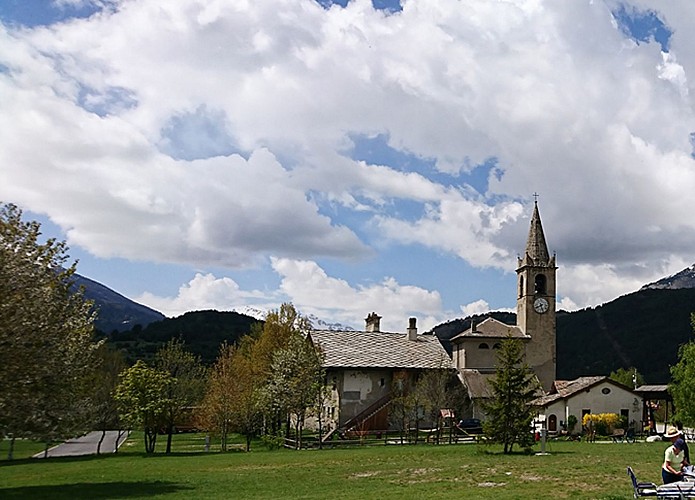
pixel 540 305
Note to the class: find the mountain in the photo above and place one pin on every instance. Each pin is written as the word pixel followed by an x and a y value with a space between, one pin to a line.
pixel 683 279
pixel 643 329
pixel 115 312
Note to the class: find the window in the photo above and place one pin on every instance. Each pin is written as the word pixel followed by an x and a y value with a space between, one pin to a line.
pixel 521 286
pixel 351 395
pixel 496 346
pixel 382 382
pixel 540 284
pixel 483 346
pixel 605 390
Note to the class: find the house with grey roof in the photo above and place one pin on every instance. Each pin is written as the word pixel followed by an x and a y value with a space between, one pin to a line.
pixel 583 395
pixel 363 368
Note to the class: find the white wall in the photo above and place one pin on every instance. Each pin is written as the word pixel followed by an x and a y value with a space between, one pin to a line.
pixel 596 401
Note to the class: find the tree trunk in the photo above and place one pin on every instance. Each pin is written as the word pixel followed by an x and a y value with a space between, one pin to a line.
pixel 10 452
pixel 248 442
pixel 101 440
pixel 170 433
pixel 223 437
pixel 150 440
pixel 118 438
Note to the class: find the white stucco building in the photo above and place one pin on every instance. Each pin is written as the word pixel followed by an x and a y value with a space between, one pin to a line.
pixel 588 395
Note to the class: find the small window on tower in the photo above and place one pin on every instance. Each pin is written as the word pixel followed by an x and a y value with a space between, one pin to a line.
pixel 483 346
pixel 540 284
pixel 521 286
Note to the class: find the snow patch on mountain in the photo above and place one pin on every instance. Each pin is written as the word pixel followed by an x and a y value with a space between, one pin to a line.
pixel 682 279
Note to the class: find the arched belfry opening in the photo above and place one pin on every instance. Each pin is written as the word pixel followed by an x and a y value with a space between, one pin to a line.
pixel 521 286
pixel 540 285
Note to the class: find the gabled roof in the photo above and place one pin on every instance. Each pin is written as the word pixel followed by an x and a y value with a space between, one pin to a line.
pixel 476 383
pixel 351 349
pixel 490 328
pixel 565 389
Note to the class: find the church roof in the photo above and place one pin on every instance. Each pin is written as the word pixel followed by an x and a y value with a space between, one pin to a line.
pixel 352 349
pixel 563 389
pixel 476 383
pixel 536 253
pixel 490 328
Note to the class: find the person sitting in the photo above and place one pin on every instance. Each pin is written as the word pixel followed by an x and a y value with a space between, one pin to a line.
pixel 686 451
pixel 672 469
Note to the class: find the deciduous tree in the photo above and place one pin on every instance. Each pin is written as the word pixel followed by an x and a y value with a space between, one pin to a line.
pixel 142 397
pixel 296 381
pixel 629 377
pixel 439 390
pixel 106 377
pixel 231 396
pixel 46 335
pixel 514 387
pixel 682 386
pixel 187 385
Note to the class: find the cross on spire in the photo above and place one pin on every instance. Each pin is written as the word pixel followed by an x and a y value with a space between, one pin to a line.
pixel 535 197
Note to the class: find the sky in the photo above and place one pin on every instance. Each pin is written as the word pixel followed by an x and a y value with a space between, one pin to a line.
pixel 352 156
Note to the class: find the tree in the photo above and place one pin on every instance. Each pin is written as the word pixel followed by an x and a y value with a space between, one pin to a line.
pixel 142 397
pixel 439 390
pixel 682 386
pixel 187 376
pixel 104 405
pixel 296 382
pixel 47 351
pixel 514 386
pixel 403 407
pixel 628 377
pixel 277 332
pixel 231 396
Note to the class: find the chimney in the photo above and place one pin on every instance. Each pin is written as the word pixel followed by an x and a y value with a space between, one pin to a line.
pixel 372 322
pixel 412 329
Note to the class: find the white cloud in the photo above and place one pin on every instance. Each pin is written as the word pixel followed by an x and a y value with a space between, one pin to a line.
pixel 477 307
pixel 131 118
pixel 315 293
pixel 203 292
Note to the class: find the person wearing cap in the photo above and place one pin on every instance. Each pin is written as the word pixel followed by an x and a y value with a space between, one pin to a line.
pixel 674 460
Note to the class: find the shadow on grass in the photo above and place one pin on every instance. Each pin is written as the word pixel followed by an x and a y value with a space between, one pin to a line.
pixel 523 453
pixel 119 489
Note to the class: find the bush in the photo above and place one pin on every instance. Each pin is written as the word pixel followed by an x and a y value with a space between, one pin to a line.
pixel 602 423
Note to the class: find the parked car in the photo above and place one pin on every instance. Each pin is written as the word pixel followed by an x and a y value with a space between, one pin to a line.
pixel 471 425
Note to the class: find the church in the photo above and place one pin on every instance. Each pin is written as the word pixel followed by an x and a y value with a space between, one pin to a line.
pixel 364 367
pixel 474 350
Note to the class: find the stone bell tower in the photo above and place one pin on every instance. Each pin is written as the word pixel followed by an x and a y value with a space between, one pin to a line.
pixel 535 303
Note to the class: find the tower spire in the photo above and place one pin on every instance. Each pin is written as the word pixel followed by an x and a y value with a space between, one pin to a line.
pixel 536 247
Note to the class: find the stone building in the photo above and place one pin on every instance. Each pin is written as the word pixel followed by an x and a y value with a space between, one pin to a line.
pixel 362 368
pixel 474 350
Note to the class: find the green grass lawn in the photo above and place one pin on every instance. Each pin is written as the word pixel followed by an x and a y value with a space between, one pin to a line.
pixel 572 470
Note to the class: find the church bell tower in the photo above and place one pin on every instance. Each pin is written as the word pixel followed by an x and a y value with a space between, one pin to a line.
pixel 535 304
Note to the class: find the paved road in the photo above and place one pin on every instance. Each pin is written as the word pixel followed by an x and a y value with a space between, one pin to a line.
pixel 86 445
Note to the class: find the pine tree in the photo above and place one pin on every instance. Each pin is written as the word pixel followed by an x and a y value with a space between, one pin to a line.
pixel 514 386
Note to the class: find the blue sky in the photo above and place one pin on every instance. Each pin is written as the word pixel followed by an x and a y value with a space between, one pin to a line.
pixel 352 156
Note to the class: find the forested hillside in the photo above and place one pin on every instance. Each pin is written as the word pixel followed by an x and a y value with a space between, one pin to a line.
pixel 201 331
pixel 643 329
